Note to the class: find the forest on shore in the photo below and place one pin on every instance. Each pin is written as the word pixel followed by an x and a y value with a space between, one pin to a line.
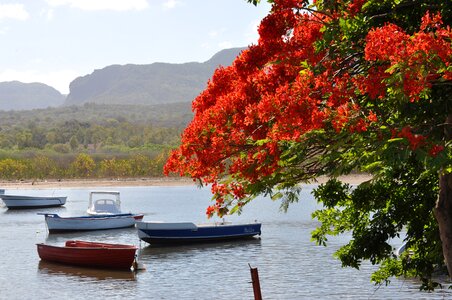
pixel 90 141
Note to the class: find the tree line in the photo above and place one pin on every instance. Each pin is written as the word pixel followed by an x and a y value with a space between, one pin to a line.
pixel 82 165
pixel 74 136
pixel 90 141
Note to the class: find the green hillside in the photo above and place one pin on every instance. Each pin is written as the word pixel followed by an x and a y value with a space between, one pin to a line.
pixel 147 84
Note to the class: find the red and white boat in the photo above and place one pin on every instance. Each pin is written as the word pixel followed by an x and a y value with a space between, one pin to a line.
pixel 89 254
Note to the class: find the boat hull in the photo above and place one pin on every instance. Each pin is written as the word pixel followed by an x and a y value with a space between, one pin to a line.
pixel 18 201
pixel 89 254
pixel 181 233
pixel 56 223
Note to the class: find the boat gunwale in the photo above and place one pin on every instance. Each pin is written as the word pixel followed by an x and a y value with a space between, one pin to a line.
pixel 29 202
pixel 96 217
pixel 212 233
pixel 122 247
pixel 25 197
pixel 139 225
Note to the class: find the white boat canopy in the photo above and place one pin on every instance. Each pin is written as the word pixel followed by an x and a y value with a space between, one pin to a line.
pixel 104 202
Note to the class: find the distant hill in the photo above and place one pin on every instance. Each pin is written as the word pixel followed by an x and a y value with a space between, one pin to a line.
pixel 15 95
pixel 151 84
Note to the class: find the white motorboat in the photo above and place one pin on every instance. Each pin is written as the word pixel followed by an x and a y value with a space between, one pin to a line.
pixel 55 223
pixel 21 201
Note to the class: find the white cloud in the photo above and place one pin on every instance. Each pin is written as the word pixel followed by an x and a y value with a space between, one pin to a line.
pixel 116 5
pixel 225 45
pixel 4 30
pixel 217 32
pixel 13 11
pixel 48 14
pixel 252 34
pixel 59 80
pixel 169 4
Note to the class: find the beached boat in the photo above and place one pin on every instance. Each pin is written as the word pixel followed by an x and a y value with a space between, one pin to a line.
pixel 104 203
pixel 21 201
pixel 89 254
pixel 55 223
pixel 187 232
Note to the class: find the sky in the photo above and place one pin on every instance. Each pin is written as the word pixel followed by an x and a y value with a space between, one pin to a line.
pixel 56 41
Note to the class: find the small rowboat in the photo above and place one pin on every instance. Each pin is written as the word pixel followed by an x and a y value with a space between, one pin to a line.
pixel 187 232
pixel 89 254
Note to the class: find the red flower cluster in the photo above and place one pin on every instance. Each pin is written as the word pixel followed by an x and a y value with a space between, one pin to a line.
pixel 417 141
pixel 435 150
pixel 355 6
pixel 421 58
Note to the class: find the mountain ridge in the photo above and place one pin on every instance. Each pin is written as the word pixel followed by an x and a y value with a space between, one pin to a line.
pixel 129 84
pixel 16 95
pixel 155 83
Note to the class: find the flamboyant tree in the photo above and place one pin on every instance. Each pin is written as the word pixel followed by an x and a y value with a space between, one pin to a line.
pixel 332 87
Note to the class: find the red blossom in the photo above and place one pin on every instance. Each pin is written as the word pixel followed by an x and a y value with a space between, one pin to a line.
pixel 354 7
pixel 372 117
pixel 210 211
pixel 429 49
pixel 415 140
pixel 386 43
pixel 435 150
pixel 431 21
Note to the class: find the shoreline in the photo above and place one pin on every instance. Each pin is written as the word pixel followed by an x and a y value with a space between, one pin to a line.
pixel 130 182
pixel 97 182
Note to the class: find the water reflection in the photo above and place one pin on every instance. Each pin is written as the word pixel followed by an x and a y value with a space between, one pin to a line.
pixel 118 236
pixel 54 269
pixel 28 211
pixel 168 251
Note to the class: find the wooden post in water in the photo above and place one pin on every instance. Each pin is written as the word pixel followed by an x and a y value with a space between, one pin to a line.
pixel 256 284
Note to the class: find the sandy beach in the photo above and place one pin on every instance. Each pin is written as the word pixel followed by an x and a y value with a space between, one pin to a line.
pixel 106 182
pixel 163 181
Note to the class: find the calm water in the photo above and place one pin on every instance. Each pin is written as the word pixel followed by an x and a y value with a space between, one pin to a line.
pixel 290 265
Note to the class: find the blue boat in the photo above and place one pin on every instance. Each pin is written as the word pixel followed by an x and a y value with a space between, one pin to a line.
pixel 187 232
